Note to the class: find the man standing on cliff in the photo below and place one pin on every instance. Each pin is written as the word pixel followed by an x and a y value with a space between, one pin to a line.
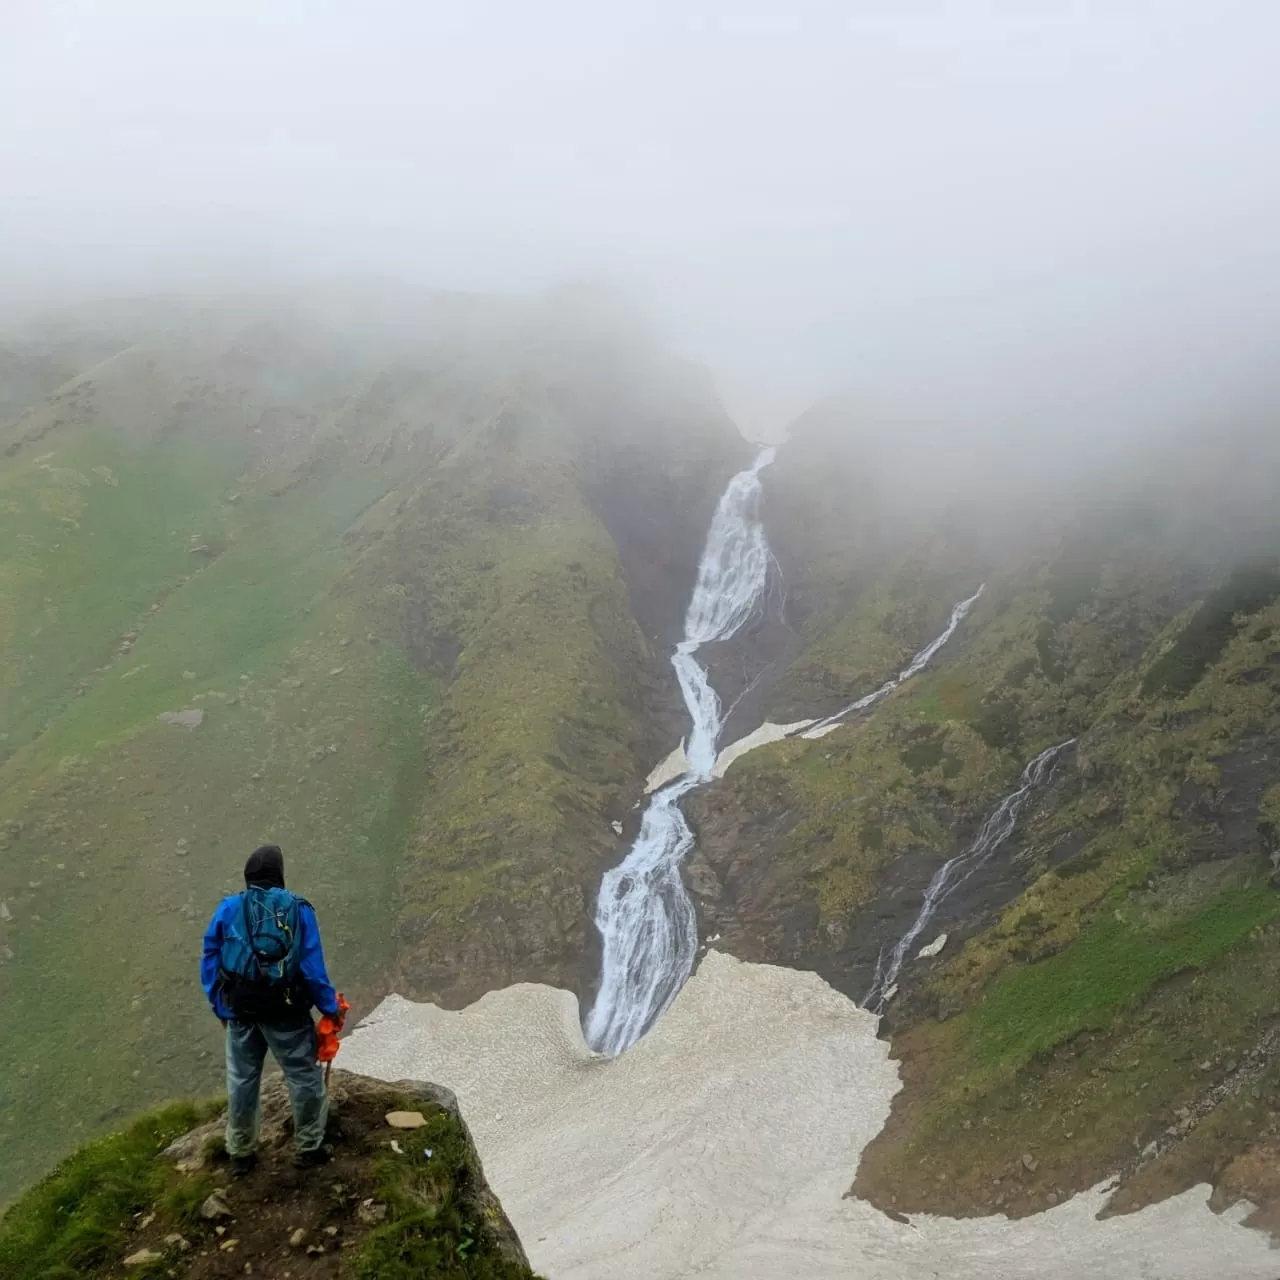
pixel 263 971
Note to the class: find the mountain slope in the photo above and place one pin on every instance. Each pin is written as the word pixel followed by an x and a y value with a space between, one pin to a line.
pixel 1125 933
pixel 378 559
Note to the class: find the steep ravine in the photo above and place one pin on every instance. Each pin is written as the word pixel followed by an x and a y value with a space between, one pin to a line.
pixel 1104 1001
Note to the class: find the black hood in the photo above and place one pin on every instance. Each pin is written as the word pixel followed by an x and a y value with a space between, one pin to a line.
pixel 265 867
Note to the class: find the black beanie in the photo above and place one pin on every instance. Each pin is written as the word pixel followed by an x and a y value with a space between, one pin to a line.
pixel 265 866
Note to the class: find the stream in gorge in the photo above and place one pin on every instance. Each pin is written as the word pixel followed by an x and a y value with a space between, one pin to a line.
pixel 997 828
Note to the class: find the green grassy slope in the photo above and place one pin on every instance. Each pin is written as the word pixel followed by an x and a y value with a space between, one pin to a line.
pixel 154 571
pixel 1152 950
pixel 374 565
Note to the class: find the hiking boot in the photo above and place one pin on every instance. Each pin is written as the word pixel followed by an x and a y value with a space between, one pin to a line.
pixel 311 1159
pixel 241 1165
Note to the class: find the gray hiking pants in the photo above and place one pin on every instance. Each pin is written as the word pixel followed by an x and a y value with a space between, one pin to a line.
pixel 294 1048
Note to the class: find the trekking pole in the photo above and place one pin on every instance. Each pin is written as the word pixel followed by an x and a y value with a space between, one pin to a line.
pixel 327 1037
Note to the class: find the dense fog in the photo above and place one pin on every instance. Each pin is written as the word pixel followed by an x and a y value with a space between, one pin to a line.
pixel 1009 218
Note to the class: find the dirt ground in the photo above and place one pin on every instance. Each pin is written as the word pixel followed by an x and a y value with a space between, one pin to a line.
pixel 281 1221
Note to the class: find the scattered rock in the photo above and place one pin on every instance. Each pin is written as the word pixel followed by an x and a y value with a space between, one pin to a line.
pixel 331 1231
pixel 142 1258
pixel 406 1119
pixel 295 1240
pixel 187 719
pixel 215 1207
pixel 337 671
pixel 370 1213
pixel 315 1250
pixel 146 1222
pixel 927 953
pixel 188 675
pixel 1030 1163
pixel 176 1241
pixel 227 1245
pixel 188 1152
pixel 617 827
pixel 5 913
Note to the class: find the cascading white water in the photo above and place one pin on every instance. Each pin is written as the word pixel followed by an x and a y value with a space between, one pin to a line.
pixel 646 921
pixel 913 668
pixel 994 832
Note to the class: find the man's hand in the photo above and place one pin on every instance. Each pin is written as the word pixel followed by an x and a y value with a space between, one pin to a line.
pixel 340 1017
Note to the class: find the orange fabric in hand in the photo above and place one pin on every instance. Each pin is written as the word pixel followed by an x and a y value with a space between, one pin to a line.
pixel 327 1031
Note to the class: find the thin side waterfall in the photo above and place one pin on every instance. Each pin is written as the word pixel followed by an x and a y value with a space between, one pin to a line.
pixel 646 921
pixel 995 831
pixel 913 668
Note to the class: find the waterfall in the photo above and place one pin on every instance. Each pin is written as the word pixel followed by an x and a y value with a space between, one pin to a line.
pixel 646 921
pixel 913 668
pixel 994 832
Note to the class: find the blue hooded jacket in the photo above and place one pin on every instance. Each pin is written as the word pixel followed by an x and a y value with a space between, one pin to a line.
pixel 310 957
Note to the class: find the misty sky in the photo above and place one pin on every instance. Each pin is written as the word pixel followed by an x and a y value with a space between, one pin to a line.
pixel 1043 209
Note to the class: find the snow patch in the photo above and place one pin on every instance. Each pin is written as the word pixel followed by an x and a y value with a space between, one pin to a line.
pixel 723 1143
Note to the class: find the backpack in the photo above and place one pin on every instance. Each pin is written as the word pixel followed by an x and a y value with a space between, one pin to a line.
pixel 258 969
